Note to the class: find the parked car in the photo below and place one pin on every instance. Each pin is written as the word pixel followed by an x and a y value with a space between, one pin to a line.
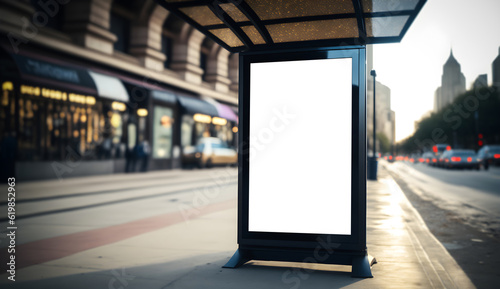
pixel 460 159
pixel 488 155
pixel 209 151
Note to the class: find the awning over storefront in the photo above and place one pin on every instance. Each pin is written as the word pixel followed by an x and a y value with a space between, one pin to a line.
pixel 164 96
pixel 223 110
pixel 234 109
pixel 226 112
pixel 109 87
pixel 51 74
pixel 193 105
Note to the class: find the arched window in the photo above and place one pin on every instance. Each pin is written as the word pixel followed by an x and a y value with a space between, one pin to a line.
pixel 206 45
pixel 51 13
pixel 171 29
pixel 121 16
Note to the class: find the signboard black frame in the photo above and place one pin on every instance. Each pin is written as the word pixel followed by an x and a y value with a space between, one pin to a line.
pixel 296 247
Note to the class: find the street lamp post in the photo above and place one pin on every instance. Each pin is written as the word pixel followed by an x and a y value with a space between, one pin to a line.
pixel 374 74
pixel 372 162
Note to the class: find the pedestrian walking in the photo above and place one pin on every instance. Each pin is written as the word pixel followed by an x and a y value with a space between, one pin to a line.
pixel 130 160
pixel 143 151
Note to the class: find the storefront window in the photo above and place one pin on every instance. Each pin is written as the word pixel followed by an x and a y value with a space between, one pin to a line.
pixel 229 133
pixel 53 124
pixel 197 126
pixel 202 130
pixel 116 123
pixel 187 130
pixel 26 136
pixel 110 140
pixel 7 114
pixel 132 135
pixel 224 133
pixel 162 132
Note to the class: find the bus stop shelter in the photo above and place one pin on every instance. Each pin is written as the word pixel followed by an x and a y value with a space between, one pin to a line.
pixel 302 65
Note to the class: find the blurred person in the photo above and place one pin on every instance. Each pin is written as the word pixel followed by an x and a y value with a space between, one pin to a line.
pixel 130 160
pixel 143 151
pixel 106 146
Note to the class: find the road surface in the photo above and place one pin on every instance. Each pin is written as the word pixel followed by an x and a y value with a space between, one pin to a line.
pixel 461 208
pixel 473 195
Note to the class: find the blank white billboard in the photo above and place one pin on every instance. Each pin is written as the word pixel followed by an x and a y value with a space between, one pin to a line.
pixel 300 146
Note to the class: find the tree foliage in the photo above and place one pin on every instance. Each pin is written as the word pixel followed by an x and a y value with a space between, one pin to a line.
pixel 384 143
pixel 459 124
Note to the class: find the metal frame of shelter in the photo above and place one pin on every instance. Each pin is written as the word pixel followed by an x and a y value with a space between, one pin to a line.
pixel 246 25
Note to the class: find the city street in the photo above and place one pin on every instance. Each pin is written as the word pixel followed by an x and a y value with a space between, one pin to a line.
pixel 50 209
pixel 460 207
pixel 175 229
pixel 473 195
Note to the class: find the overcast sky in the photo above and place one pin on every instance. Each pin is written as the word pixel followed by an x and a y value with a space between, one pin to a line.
pixel 413 68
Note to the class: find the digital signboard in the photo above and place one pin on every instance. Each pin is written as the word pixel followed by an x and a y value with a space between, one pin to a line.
pixel 300 167
pixel 302 157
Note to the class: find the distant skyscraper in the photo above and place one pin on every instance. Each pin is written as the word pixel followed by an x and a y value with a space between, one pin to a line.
pixel 481 81
pixel 496 70
pixel 437 99
pixel 452 83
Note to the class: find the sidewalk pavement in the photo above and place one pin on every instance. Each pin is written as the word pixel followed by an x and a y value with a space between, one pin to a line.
pixel 190 254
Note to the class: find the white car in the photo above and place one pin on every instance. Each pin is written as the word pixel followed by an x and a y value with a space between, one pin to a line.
pixel 210 151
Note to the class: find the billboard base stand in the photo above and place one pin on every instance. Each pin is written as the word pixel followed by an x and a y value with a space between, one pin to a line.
pixel 239 258
pixel 361 266
pixel 361 262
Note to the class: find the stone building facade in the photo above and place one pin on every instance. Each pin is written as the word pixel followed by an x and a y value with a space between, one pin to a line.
pixel 96 78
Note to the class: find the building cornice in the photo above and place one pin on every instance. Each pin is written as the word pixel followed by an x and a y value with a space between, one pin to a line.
pixel 112 61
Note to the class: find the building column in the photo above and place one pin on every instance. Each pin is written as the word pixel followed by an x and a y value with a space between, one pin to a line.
pixel 186 55
pixel 233 71
pixel 217 69
pixel 145 42
pixel 88 21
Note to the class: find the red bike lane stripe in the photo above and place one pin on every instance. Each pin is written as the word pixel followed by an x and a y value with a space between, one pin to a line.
pixel 46 250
